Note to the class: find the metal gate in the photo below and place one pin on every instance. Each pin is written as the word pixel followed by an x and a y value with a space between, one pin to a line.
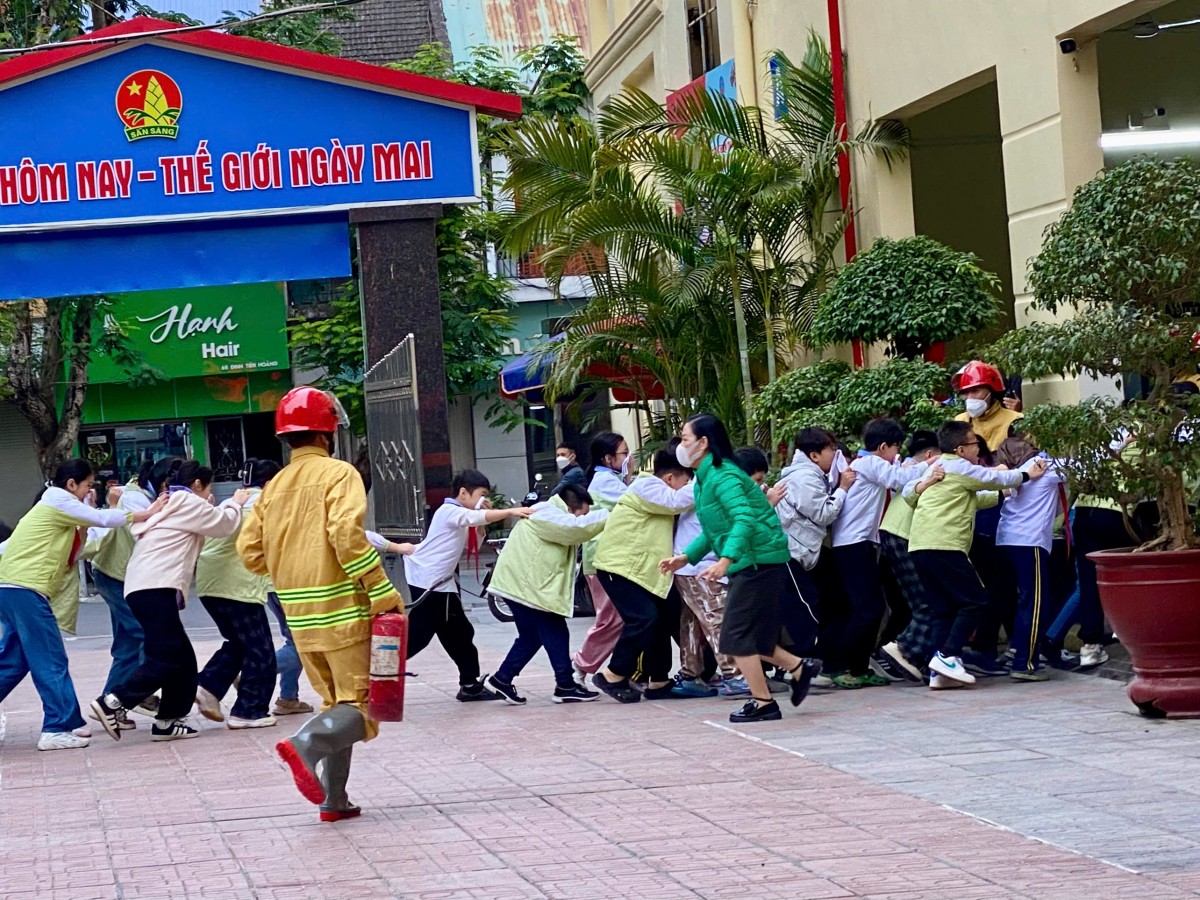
pixel 394 443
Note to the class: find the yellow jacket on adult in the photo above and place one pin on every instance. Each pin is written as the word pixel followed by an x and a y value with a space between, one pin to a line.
pixel 307 533
pixel 638 534
pixel 993 425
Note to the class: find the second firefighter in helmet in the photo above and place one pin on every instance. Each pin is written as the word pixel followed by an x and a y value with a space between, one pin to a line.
pixel 981 388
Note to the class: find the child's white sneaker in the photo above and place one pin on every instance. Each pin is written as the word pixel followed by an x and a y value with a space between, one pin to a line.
pixel 61 740
pixel 1092 655
pixel 951 667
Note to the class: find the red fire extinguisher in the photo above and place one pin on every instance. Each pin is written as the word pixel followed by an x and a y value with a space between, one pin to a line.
pixel 389 653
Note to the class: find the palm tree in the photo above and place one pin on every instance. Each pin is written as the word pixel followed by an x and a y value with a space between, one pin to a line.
pixel 707 210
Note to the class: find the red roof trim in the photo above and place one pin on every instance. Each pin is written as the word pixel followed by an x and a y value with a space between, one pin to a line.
pixel 492 103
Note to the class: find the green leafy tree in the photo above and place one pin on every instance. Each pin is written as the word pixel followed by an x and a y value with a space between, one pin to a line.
pixel 910 294
pixel 306 31
pixel 830 394
pixel 1125 261
pixel 707 209
pixel 333 344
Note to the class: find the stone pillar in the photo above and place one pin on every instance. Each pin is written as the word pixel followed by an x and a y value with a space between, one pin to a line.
pixel 397 259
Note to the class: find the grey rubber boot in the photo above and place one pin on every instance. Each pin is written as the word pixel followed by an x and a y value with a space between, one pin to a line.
pixel 335 772
pixel 328 732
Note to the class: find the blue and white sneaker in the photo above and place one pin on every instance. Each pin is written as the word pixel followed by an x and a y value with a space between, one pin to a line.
pixel 692 687
pixel 951 667
pixel 734 688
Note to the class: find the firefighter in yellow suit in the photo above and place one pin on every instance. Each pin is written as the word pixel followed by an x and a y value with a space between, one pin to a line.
pixel 307 532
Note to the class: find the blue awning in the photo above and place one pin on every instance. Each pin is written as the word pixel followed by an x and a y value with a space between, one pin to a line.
pixel 525 377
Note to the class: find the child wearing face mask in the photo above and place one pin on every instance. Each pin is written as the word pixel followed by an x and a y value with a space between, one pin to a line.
pixel 636 538
pixel 608 482
pixel 430 569
pixel 570 472
pixel 981 387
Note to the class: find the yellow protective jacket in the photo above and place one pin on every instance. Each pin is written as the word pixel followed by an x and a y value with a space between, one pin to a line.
pixel 307 532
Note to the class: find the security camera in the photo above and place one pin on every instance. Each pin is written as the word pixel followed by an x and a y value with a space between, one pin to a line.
pixel 1068 46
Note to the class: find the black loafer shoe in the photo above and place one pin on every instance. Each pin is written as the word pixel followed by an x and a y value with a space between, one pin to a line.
pixel 802 680
pixel 756 712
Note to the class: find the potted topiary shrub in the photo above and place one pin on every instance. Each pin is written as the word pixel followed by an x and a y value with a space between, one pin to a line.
pixel 913 294
pixel 1124 263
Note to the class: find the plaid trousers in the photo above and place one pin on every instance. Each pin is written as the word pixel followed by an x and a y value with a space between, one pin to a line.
pixel 916 641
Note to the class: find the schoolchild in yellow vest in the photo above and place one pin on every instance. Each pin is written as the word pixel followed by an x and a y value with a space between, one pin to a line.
pixel 307 533
pixel 40 549
pixel 536 574
pixel 636 538
pixel 236 599
pixel 942 529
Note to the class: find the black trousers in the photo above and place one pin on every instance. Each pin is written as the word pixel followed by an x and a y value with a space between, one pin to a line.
pixel 441 613
pixel 996 573
pixel 644 649
pixel 1095 529
pixel 858 564
pixel 801 605
pixel 957 598
pixel 248 651
pixel 168 661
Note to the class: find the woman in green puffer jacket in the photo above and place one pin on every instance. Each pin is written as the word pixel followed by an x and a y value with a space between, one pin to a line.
pixel 742 529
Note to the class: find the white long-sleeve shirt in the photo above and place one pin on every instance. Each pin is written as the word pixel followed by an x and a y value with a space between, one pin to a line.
pixel 863 509
pixel 432 565
pixel 1027 517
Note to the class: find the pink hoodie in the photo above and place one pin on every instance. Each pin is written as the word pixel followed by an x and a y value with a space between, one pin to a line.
pixel 169 542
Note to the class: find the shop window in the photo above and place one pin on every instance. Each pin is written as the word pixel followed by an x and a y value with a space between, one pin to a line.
pixel 119 451
pixel 704 47
pixel 312 299
pixel 226 449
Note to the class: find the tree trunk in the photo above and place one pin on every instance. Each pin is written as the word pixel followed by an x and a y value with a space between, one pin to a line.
pixel 33 375
pixel 739 316
pixel 1176 523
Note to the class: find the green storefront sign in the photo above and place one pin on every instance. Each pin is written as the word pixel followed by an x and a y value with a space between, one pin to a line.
pixel 234 330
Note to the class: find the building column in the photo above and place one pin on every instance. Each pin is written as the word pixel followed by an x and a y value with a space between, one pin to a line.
pixel 1051 146
pixel 397 259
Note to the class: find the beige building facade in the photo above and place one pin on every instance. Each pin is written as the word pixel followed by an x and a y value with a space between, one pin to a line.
pixel 1006 101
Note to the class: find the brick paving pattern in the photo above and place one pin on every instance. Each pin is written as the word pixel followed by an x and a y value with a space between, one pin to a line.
pixel 885 793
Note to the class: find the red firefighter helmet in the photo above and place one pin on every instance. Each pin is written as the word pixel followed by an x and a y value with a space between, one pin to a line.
pixel 308 409
pixel 977 374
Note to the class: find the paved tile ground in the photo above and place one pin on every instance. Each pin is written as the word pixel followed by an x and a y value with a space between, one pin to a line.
pixel 881 793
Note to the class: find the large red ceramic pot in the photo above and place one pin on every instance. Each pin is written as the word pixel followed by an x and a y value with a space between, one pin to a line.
pixel 1152 601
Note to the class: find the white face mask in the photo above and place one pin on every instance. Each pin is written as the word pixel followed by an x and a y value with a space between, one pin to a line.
pixel 625 466
pixel 685 458
pixel 482 500
pixel 562 462
pixel 976 408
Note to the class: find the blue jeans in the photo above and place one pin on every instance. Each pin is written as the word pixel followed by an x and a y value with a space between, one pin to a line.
pixel 287 660
pixel 127 635
pixel 32 645
pixel 538 629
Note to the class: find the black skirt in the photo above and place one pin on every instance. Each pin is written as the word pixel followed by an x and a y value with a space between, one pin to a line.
pixel 753 615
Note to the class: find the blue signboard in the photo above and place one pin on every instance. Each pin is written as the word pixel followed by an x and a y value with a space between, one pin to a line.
pixel 154 133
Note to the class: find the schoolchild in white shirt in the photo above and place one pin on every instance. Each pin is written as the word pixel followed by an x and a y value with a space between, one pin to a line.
pixel 430 568
pixel 1025 536
pixel 855 539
